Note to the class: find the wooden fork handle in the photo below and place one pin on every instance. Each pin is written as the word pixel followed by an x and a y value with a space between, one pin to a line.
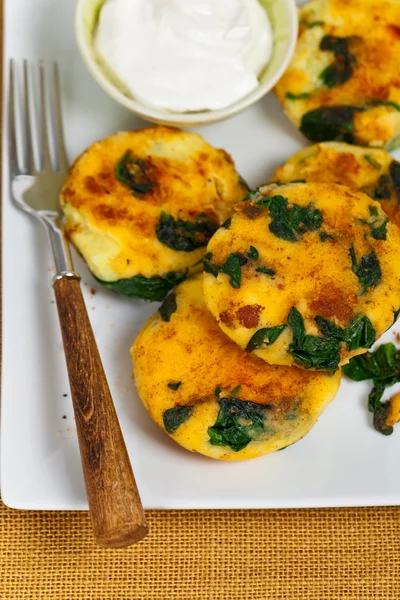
pixel 114 502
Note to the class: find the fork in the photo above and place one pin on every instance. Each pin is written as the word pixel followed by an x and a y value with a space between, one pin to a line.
pixel 116 511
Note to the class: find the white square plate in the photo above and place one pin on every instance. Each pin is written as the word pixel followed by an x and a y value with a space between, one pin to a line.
pixel 343 461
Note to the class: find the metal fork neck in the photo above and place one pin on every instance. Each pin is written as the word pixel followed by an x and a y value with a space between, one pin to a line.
pixel 59 244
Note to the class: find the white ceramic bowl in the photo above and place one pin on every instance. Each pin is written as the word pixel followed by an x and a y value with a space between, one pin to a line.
pixel 284 21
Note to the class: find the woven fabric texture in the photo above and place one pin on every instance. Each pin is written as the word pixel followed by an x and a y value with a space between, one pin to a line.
pixel 325 554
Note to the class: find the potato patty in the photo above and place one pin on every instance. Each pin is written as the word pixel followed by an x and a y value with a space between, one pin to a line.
pixel 306 274
pixel 212 397
pixel 371 170
pixel 141 206
pixel 343 82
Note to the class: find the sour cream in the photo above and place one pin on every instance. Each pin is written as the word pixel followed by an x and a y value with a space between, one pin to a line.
pixel 185 55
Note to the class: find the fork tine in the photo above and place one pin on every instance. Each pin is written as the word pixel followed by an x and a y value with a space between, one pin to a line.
pixel 12 134
pixel 60 145
pixel 29 159
pixel 45 160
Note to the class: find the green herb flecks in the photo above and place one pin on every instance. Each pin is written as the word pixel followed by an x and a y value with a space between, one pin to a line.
pixel 310 351
pixel 168 307
pixel 394 171
pixel 264 337
pixel 330 123
pixel 368 270
pixel 151 289
pixel 396 315
pixel 226 224
pixel 302 96
pixel 238 423
pixel 174 386
pixel 218 390
pixel 341 70
pixel 233 268
pixel 323 236
pixel 265 271
pixel 382 367
pixel 312 24
pixel 185 236
pixel 135 173
pixel 378 224
pixel 236 391
pixel 373 162
pixel 289 221
pixel 253 195
pixel 252 253
pixel 174 417
pixel 376 102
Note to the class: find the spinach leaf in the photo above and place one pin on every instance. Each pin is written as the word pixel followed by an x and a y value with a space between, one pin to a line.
pixel 238 423
pixel 359 334
pixel 368 270
pixel 168 307
pixel 264 337
pixel 396 315
pixel 173 417
pixel 232 267
pixel 372 162
pixel 342 68
pixel 208 266
pixel 302 96
pixel 236 391
pixel 218 390
pixel 253 195
pixel 312 24
pixel 394 171
pixel 226 224
pixel 383 190
pixel 185 236
pixel 309 351
pixel 330 123
pixel 383 103
pixel 383 368
pixel 379 232
pixel 380 416
pixel 174 386
pixel 151 289
pixel 323 236
pixel 135 173
pixel 265 270
pixel 252 253
pixel 290 222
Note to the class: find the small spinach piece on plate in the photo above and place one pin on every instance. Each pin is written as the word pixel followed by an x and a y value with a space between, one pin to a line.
pixel 330 123
pixel 135 173
pixel 368 270
pixel 264 337
pixel 185 236
pixel 238 423
pixel 168 307
pixel 151 289
pixel 382 367
pixel 173 417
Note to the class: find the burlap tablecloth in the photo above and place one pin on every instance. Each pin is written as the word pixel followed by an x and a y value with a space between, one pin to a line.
pixel 330 554
pixel 326 554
